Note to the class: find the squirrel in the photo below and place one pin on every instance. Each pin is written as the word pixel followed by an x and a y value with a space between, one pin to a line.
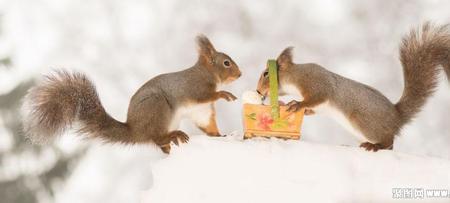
pixel 363 110
pixel 154 111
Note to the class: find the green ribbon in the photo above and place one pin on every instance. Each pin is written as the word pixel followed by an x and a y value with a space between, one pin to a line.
pixel 273 88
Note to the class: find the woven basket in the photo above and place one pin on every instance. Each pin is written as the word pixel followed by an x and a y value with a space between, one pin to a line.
pixel 272 120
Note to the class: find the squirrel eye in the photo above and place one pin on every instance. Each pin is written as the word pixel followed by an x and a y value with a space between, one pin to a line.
pixel 265 74
pixel 226 63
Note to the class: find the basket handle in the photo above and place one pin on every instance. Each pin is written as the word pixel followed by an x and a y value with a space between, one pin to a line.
pixel 273 88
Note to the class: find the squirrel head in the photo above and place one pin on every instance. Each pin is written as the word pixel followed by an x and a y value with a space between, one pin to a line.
pixel 219 64
pixel 284 63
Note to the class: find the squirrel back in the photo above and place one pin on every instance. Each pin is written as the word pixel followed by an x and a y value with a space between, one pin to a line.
pixel 421 53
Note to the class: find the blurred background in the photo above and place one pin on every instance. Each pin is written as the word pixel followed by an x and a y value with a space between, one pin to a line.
pixel 122 44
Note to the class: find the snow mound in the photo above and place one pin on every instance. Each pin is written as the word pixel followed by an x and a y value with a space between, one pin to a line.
pixel 271 170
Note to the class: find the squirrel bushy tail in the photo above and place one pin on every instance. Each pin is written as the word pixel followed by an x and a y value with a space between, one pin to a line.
pixel 447 68
pixel 421 53
pixel 62 99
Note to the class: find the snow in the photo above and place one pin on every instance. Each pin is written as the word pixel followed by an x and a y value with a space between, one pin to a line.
pixel 270 170
pixel 101 172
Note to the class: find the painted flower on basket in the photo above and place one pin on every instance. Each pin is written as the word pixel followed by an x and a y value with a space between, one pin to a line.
pixel 264 121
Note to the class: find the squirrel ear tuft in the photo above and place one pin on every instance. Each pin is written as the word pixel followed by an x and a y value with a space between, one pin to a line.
pixel 285 58
pixel 205 47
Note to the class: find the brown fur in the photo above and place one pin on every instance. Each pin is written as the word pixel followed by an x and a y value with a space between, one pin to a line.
pixel 369 112
pixel 447 68
pixel 63 98
pixel 211 129
pixel 421 53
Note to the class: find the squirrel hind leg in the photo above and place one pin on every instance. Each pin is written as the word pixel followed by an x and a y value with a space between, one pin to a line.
pixel 375 147
pixel 176 137
pixel 165 148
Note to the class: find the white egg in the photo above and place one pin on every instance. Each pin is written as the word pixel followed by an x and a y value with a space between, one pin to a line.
pixel 251 97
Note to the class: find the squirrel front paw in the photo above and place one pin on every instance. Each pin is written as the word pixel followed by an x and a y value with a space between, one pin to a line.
pixel 227 96
pixel 294 106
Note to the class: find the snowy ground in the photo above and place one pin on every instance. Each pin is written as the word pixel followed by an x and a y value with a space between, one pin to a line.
pixel 261 170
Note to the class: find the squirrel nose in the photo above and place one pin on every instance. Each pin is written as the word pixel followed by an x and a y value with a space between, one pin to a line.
pixel 263 97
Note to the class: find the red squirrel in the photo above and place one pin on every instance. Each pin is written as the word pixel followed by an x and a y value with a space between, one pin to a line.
pixel 154 111
pixel 365 111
